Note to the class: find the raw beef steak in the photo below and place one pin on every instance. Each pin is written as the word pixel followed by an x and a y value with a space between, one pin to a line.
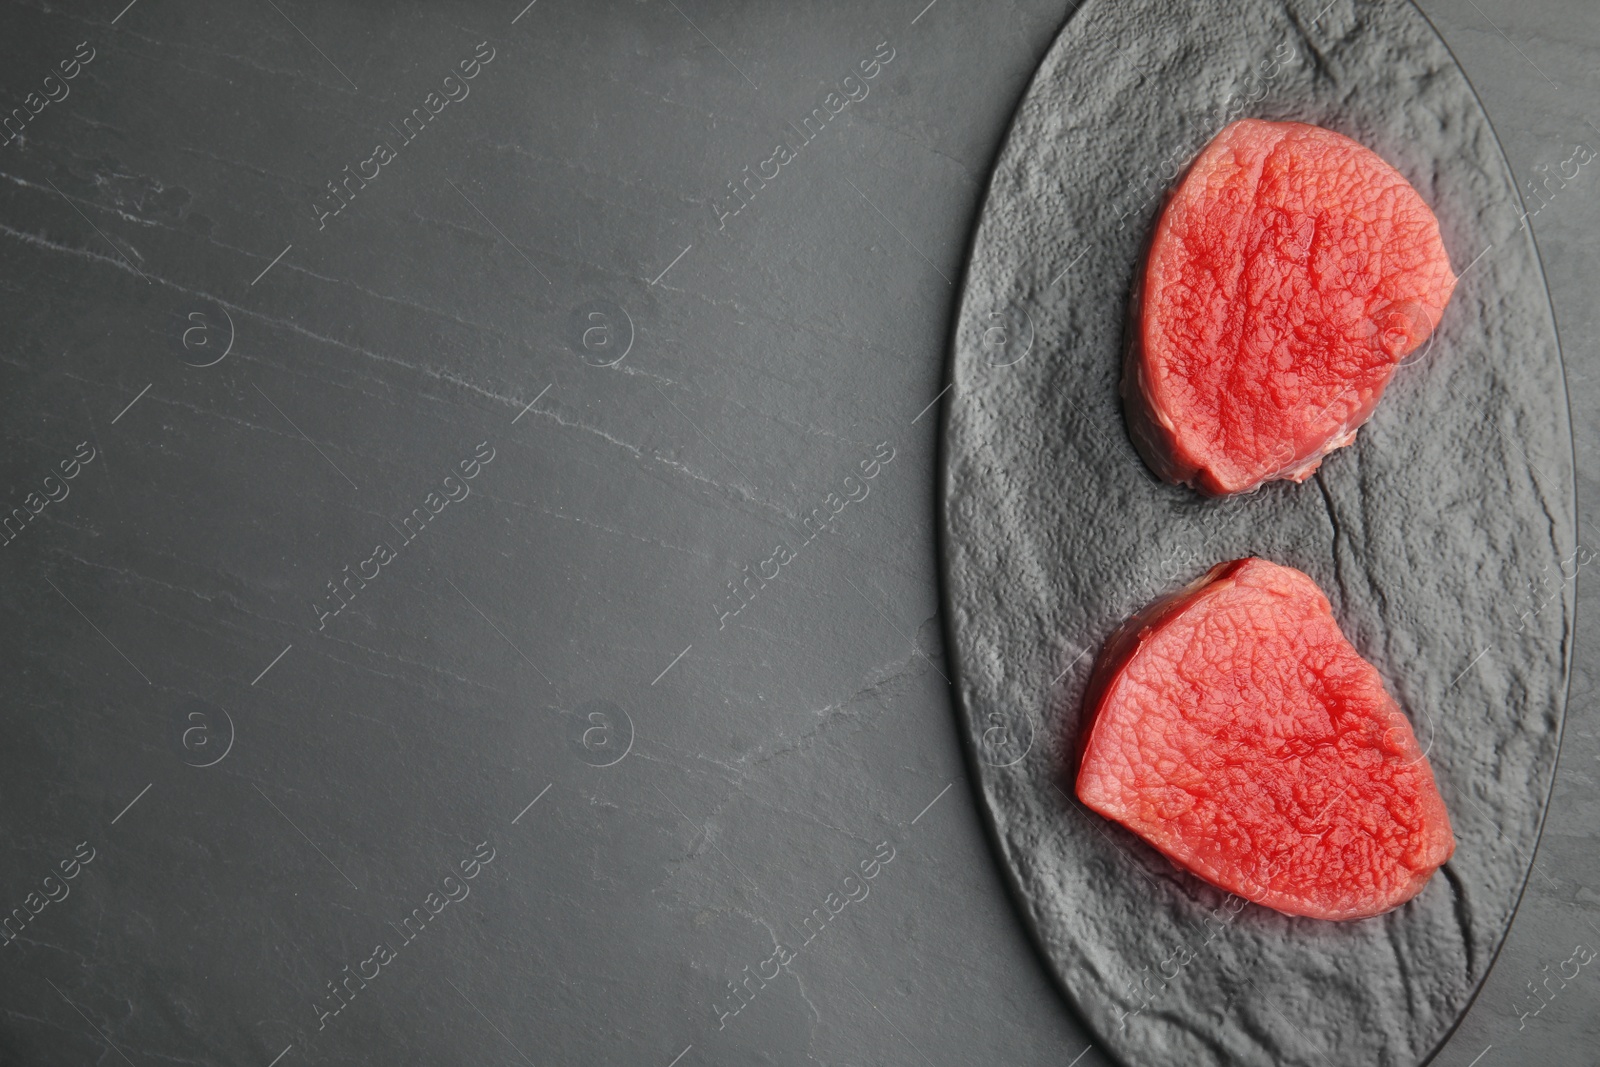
pixel 1236 730
pixel 1289 273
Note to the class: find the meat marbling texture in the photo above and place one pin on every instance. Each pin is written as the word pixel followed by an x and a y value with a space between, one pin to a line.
pixel 1235 728
pixel 1290 271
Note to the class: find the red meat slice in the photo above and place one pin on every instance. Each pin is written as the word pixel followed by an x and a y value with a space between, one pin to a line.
pixel 1290 272
pixel 1236 730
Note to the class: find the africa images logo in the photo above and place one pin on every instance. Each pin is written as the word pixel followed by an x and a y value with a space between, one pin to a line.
pixel 340 191
pixel 852 90
pixel 742 592
pixel 343 589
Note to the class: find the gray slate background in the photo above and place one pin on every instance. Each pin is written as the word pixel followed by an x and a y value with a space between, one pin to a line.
pixel 540 624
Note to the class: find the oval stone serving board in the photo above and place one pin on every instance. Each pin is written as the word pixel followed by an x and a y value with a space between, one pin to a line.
pixel 1443 536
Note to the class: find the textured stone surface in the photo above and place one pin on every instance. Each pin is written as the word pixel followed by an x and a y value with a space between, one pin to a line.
pixel 1427 534
pixel 771 759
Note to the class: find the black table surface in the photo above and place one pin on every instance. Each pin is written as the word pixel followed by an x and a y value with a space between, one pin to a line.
pixel 405 406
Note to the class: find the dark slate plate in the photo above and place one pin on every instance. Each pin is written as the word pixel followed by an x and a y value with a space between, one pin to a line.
pixel 1441 536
